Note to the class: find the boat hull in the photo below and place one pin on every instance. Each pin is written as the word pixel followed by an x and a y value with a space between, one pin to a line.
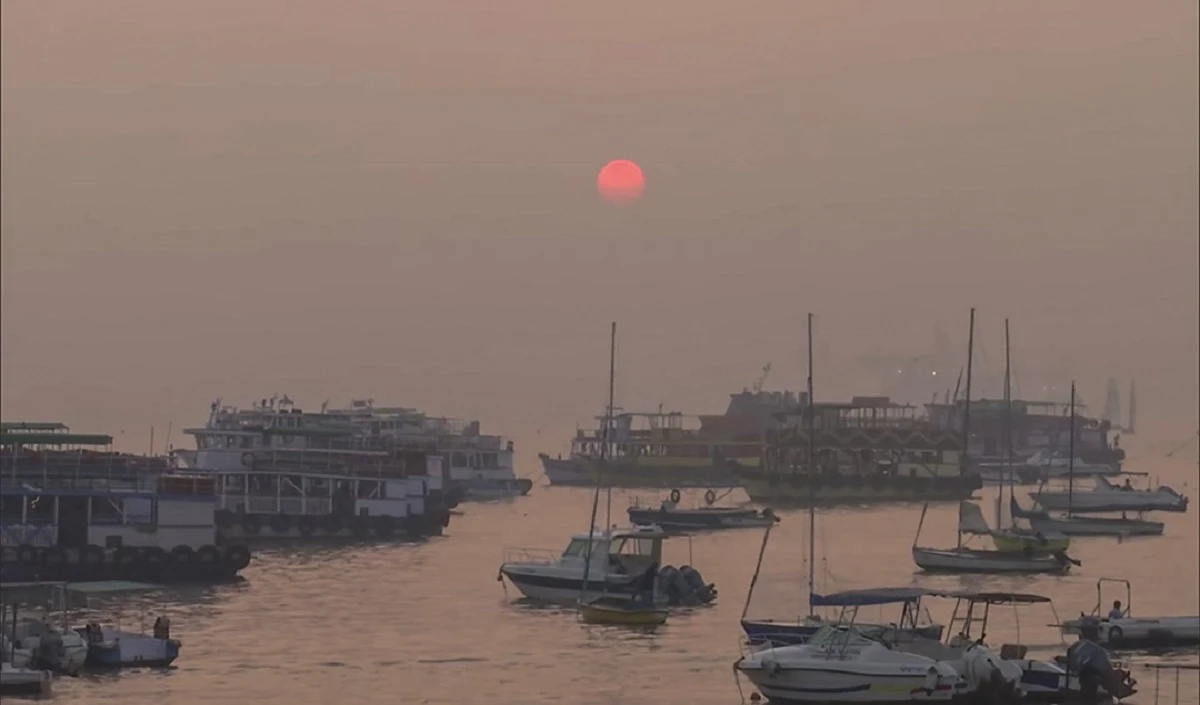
pixel 632 475
pixel 25 564
pixel 1088 526
pixel 1110 501
pixel 485 489
pixel 23 681
pixel 934 560
pixel 792 490
pixel 820 686
pixel 618 615
pixel 119 649
pixel 700 519
pixel 543 586
pixel 1019 543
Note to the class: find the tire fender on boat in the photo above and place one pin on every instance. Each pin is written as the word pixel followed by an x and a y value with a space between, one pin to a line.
pixel 385 526
pixel 91 554
pixel 182 554
pixel 252 524
pixel 238 556
pixel 281 523
pixel 208 554
pixel 306 525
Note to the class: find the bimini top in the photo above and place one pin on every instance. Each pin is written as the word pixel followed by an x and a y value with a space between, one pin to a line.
pixel 633 532
pixel 870 596
pixel 990 597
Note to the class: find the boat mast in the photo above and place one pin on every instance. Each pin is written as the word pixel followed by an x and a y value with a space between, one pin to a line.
pixel 1008 421
pixel 962 458
pixel 612 376
pixel 587 565
pixel 812 468
pixel 1071 455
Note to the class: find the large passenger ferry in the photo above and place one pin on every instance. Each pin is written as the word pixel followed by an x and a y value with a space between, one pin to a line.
pixel 71 508
pixel 286 473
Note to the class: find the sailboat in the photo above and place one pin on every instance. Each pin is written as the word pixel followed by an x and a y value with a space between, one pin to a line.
pixel 1074 525
pixel 643 609
pixel 1013 538
pixel 791 632
pixel 966 560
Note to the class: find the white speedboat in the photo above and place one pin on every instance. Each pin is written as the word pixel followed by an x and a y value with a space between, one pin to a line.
pixel 1129 632
pixel 841 665
pixel 1107 497
pixel 620 560
pixel 1052 466
pixel 1072 525
pixel 17 680
pixel 36 643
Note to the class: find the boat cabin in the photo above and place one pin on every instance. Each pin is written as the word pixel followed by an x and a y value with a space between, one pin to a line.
pixel 621 552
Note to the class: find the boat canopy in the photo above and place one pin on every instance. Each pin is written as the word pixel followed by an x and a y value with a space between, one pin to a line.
pixel 870 596
pixel 637 532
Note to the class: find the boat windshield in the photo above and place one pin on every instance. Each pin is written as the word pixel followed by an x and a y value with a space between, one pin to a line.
pixel 577 547
pixel 840 636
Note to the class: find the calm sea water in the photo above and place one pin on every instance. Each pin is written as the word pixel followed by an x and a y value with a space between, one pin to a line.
pixel 429 623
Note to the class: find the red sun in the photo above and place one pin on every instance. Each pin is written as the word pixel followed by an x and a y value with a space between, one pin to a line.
pixel 621 181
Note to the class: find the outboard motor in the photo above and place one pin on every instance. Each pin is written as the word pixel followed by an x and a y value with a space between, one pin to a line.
pixel 700 592
pixel 50 651
pixel 670 579
pixel 162 628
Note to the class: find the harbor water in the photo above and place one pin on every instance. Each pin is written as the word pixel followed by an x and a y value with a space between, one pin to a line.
pixel 429 623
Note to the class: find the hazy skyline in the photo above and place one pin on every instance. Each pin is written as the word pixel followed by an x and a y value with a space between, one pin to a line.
pixel 398 201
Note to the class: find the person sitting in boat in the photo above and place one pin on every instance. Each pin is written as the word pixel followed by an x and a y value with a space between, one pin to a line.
pixel 1127 487
pixel 668 504
pixel 1116 612
pixel 1089 662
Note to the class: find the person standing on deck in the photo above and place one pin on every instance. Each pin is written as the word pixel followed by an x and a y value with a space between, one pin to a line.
pixel 1116 612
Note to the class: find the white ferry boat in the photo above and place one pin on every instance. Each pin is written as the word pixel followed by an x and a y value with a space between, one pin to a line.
pixel 478 464
pixel 285 473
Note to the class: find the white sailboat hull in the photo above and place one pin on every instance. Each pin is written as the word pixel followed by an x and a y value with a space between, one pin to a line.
pixel 1112 500
pixel 971 561
pixel 1097 526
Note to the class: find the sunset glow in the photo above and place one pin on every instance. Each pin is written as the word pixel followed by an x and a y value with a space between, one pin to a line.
pixel 621 181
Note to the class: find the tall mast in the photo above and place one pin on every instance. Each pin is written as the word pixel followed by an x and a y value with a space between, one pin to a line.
pixel 612 376
pixel 1008 420
pixel 1071 454
pixel 587 565
pixel 812 469
pixel 962 458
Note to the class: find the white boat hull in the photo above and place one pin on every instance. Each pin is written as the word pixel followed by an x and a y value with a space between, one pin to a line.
pixel 1088 526
pixel 785 680
pixel 969 561
pixel 568 471
pixel 1111 500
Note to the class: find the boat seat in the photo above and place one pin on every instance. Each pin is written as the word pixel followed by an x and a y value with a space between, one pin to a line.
pixel 1013 652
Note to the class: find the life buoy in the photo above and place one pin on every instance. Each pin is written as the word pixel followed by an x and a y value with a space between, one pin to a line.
pixel 281 523
pixel 307 525
pixel 331 523
pixel 675 496
pixel 182 554
pixel 247 460
pixel 251 524
pixel 238 556
pixel 208 554
pixel 385 526
pixel 710 497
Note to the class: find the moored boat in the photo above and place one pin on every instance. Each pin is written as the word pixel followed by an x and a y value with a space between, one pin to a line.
pixel 671 517
pixel 18 680
pixel 1107 497
pixel 1128 632
pixel 622 612
pixel 966 560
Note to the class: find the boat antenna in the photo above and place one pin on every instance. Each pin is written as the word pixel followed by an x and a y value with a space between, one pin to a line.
pixel 587 565
pixel 812 469
pixel 1071 456
pixel 963 461
pixel 1008 421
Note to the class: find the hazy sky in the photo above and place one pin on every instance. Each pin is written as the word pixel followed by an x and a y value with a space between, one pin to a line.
pixel 397 200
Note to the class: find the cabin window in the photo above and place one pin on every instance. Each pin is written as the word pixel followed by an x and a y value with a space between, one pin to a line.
pixel 458 460
pixel 10 509
pixel 264 485
pixel 107 510
pixel 234 484
pixel 577 547
pixel 368 489
pixel 287 440
pixel 489 460
pixel 40 510
pixel 247 442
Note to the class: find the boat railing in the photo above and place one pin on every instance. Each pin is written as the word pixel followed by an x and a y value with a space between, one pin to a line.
pixel 38 535
pixel 540 556
pixel 1160 688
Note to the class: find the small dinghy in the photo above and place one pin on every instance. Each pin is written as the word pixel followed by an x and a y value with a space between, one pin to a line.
pixel 671 517
pixel 113 647
pixel 622 612
pixel 1119 629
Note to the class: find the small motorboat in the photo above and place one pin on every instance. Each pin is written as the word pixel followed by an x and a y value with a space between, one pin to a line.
pixel 671 517
pixel 619 559
pixel 1107 497
pixel 110 647
pixel 16 680
pixel 622 612
pixel 1129 632
pixel 778 632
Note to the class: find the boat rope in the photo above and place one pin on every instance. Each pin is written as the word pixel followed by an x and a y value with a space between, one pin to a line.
pixel 757 567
